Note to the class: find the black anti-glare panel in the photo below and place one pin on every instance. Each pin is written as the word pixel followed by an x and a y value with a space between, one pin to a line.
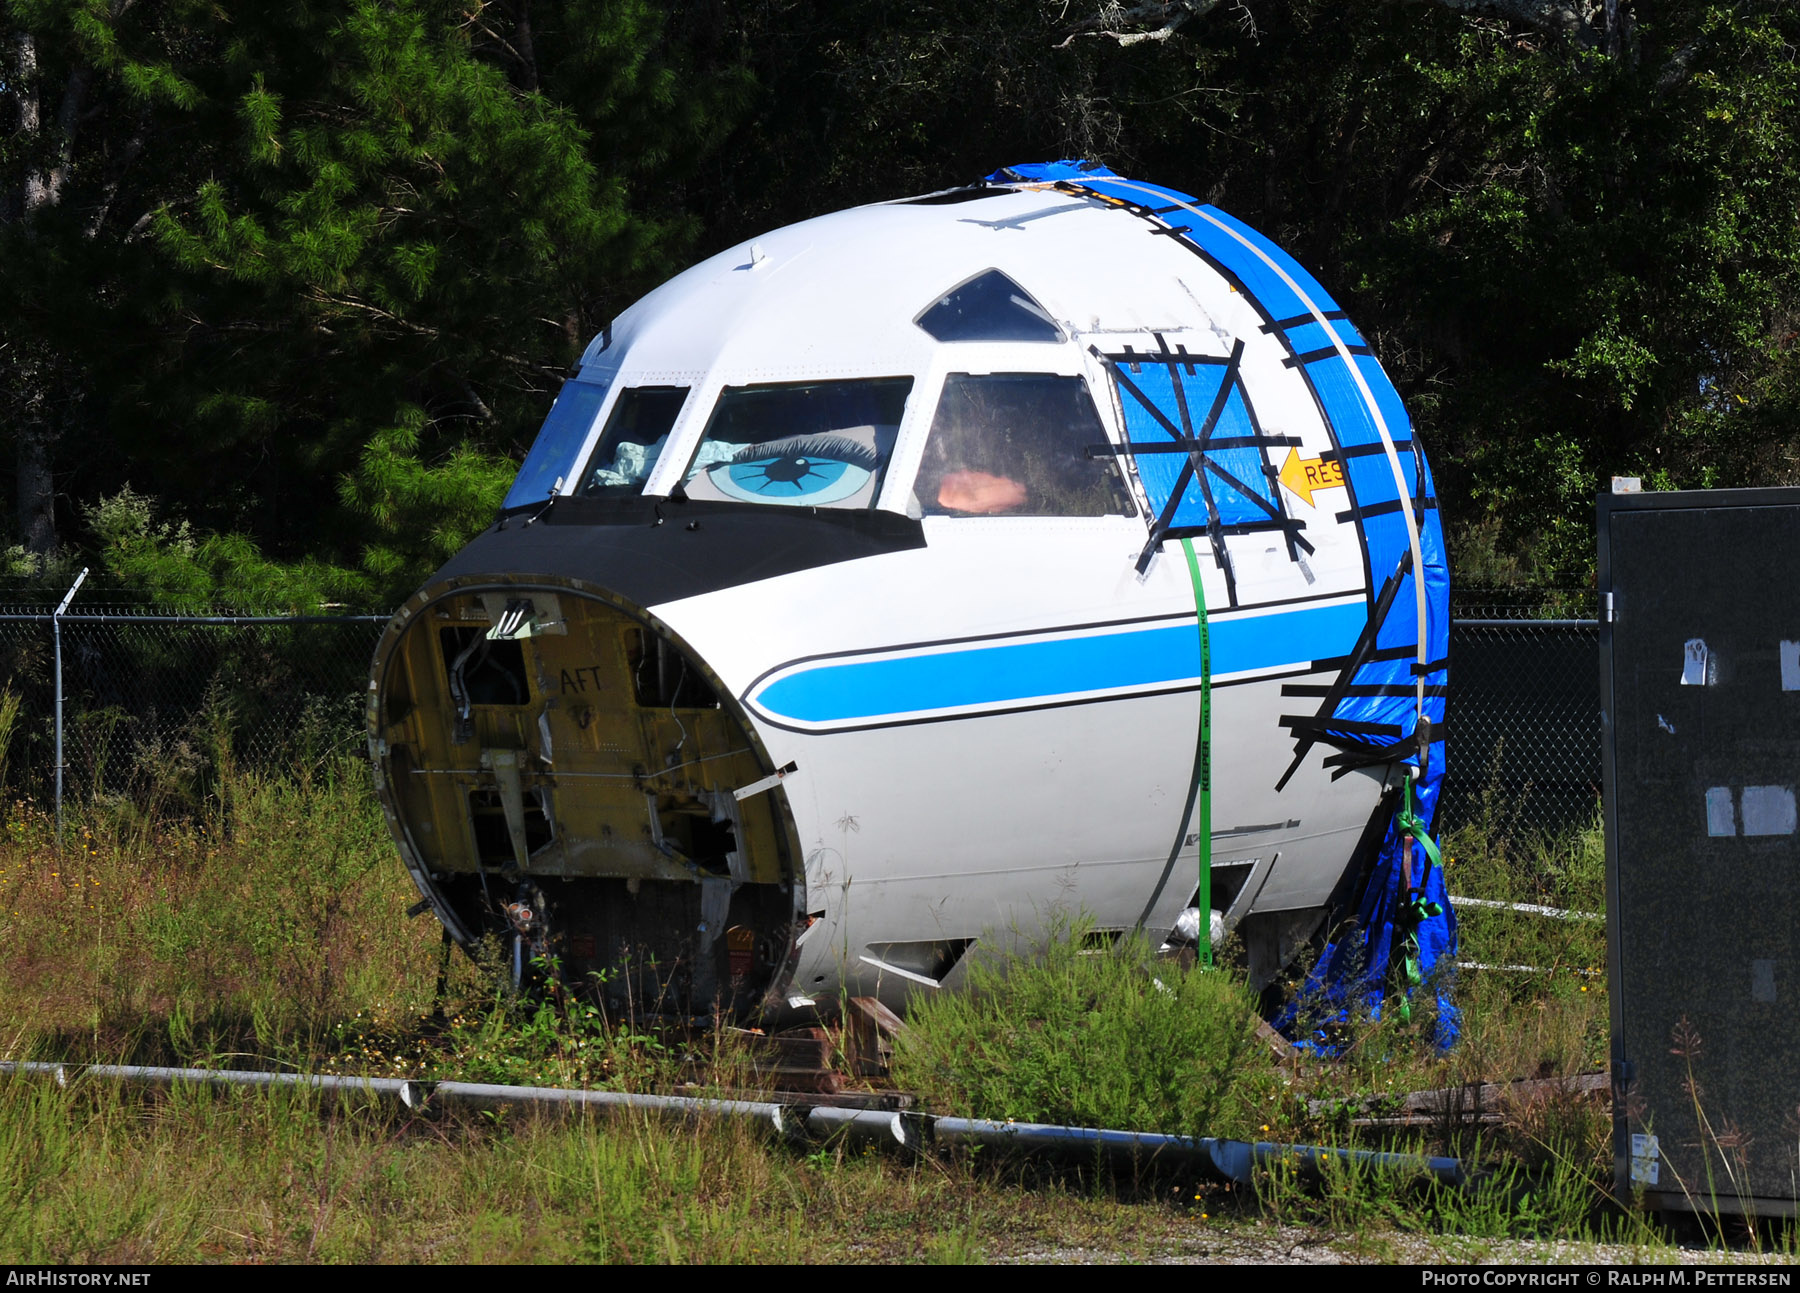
pixel 1700 687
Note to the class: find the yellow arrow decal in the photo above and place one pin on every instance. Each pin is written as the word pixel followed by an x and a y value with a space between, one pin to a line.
pixel 1302 476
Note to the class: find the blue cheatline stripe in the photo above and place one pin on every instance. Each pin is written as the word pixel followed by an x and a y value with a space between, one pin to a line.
pixel 1048 670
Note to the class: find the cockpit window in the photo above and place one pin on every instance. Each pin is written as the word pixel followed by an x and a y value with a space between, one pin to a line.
pixel 802 444
pixel 552 456
pixel 1016 444
pixel 988 307
pixel 635 434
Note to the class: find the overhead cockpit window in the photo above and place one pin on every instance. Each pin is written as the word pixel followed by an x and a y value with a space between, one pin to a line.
pixel 1016 444
pixel 802 444
pixel 988 307
pixel 634 439
pixel 552 456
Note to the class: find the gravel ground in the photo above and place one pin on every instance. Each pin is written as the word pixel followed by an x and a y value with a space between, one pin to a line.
pixel 1271 1245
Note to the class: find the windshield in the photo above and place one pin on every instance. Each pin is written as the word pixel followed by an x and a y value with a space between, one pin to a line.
pixel 551 462
pixel 1018 444
pixel 634 439
pixel 988 307
pixel 801 444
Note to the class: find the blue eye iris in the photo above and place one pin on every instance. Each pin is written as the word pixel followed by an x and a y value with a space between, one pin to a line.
pixel 799 478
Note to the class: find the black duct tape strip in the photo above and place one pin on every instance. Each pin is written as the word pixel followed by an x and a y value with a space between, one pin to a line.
pixel 1179 358
pixel 1396 689
pixel 1384 653
pixel 1380 509
pixel 1342 765
pixel 1323 727
pixel 1301 319
pixel 1149 405
pixel 1360 654
pixel 1329 352
pixel 1363 754
pixel 1430 667
pixel 1365 450
pixel 1217 442
pixel 1236 527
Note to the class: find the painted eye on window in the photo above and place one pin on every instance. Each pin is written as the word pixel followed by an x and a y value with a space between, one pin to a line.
pixel 809 471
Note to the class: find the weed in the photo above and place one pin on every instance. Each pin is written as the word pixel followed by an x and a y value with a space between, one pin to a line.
pixel 10 702
pixel 1100 1039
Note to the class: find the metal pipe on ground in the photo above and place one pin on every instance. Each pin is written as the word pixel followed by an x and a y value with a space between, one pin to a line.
pixel 1237 1160
pixel 783 1119
pixel 909 1131
pixel 1528 908
pixel 1228 1160
pixel 410 1094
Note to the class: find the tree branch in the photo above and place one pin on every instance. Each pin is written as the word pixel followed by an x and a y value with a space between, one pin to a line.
pixel 1595 24
pixel 1572 19
pixel 1125 25
pixel 127 155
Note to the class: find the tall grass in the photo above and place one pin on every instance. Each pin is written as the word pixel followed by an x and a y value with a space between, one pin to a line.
pixel 249 922
pixel 260 921
pixel 97 1174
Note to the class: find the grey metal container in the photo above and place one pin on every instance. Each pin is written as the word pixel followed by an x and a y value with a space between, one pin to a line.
pixel 1700 689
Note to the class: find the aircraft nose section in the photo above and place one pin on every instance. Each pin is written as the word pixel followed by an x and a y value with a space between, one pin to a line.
pixel 558 769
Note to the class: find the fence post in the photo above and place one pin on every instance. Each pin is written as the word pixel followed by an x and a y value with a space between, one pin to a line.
pixel 56 635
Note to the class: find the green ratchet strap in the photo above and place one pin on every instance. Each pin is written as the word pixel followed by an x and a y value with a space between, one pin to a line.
pixel 1199 791
pixel 1410 823
pixel 1203 763
pixel 1416 909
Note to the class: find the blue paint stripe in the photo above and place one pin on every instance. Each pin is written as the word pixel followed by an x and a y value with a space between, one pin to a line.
pixel 982 676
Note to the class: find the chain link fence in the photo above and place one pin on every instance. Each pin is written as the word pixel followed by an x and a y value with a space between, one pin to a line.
pixel 1522 749
pixel 153 700
pixel 154 703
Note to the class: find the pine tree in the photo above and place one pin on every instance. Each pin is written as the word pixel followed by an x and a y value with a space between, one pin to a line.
pixel 308 275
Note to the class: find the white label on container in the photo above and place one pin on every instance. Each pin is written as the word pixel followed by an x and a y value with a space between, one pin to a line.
pixel 1790 666
pixel 1646 1160
pixel 1769 810
pixel 1762 981
pixel 1721 818
pixel 1693 663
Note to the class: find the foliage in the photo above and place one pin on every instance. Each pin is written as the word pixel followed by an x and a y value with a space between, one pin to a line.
pixel 1095 1037
pixel 308 277
pixel 1574 262
pixel 340 253
pixel 172 564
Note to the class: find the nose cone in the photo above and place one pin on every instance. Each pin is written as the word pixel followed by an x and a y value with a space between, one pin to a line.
pixel 559 770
